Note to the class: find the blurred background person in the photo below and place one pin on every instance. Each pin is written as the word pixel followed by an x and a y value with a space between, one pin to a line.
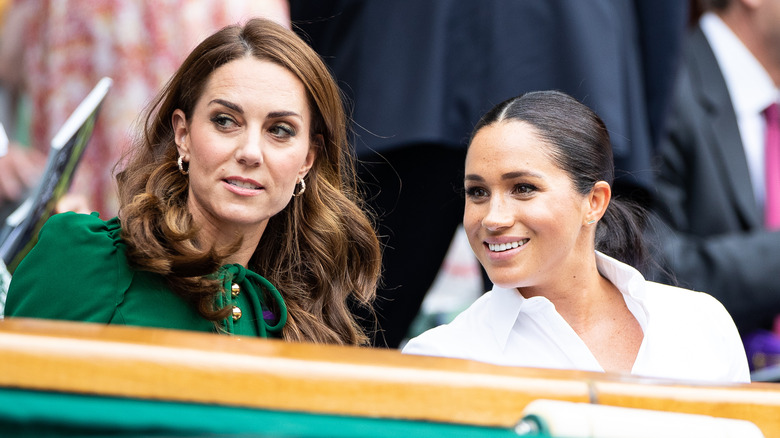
pixel 718 188
pixel 419 75
pixel 20 165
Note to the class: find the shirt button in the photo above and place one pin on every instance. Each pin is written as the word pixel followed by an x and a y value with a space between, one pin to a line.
pixel 235 290
pixel 236 313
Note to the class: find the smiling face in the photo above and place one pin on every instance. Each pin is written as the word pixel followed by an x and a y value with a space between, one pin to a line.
pixel 525 221
pixel 247 144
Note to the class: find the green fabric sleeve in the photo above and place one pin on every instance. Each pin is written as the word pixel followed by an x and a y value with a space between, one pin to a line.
pixel 77 271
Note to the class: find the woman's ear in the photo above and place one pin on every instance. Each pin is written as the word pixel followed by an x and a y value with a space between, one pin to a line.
pixel 180 132
pixel 317 143
pixel 598 201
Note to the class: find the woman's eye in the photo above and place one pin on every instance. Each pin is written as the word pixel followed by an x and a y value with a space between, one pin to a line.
pixel 476 192
pixel 282 130
pixel 223 121
pixel 524 189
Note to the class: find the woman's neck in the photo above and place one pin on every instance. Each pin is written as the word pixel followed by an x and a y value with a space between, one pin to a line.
pixel 222 239
pixel 596 310
pixel 587 306
pixel 579 294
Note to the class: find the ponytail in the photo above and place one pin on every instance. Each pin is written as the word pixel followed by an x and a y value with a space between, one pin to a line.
pixel 619 233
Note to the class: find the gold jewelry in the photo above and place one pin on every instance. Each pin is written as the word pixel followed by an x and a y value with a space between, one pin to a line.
pixel 303 188
pixel 180 162
pixel 591 222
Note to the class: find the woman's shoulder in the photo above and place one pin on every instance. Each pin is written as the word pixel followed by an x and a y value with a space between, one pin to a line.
pixel 78 239
pixel 81 227
pixel 436 341
pixel 674 297
pixel 458 337
pixel 77 270
pixel 657 297
pixel 685 310
pixel 694 328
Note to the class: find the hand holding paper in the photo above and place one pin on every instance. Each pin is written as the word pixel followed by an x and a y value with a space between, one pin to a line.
pixel 20 170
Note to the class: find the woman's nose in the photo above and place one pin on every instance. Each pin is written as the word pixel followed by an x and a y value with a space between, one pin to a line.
pixel 498 215
pixel 250 150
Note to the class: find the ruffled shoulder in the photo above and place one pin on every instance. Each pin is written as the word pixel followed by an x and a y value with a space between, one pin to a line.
pixel 113 228
pixel 84 228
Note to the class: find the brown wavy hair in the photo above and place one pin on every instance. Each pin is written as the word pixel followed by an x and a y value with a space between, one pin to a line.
pixel 320 251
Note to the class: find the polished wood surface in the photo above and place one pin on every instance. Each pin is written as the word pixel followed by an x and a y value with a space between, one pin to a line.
pixel 235 371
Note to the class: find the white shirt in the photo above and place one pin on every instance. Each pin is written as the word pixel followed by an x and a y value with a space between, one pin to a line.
pixel 751 90
pixel 687 335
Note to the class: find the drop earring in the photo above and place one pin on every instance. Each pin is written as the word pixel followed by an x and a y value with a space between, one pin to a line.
pixel 303 188
pixel 180 162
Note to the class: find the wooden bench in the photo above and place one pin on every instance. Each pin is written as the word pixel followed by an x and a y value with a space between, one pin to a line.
pixel 167 366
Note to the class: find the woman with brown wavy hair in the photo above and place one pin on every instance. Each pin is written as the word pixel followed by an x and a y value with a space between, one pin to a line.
pixel 239 211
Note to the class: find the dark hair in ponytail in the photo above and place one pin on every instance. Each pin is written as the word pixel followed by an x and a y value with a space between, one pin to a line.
pixel 580 146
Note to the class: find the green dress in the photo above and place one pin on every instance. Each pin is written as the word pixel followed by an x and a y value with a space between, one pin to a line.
pixel 78 271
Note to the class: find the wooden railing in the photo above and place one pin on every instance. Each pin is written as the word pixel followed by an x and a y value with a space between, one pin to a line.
pixel 155 364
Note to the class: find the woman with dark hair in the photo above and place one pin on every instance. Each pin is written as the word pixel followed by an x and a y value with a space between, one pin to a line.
pixel 540 218
pixel 239 211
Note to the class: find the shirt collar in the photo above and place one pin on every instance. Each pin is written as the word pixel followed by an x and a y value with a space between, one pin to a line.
pixel 629 282
pixel 625 277
pixel 504 308
pixel 750 87
pixel 506 304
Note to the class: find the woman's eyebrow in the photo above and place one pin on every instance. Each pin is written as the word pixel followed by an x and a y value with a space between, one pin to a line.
pixel 519 174
pixel 231 105
pixel 280 114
